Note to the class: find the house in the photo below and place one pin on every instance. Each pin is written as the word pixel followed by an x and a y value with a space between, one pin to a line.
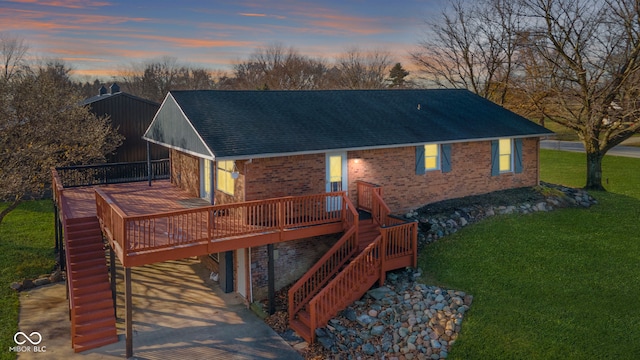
pixel 422 146
pixel 130 115
pixel 298 187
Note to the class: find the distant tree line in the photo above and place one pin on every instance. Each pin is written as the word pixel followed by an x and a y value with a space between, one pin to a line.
pixel 273 67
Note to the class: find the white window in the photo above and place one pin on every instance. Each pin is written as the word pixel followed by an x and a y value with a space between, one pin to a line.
pixel 224 178
pixel 432 157
pixel 505 153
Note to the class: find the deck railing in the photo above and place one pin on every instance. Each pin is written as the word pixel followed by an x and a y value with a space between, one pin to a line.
pixel 62 207
pixel 399 244
pixel 113 173
pixel 370 199
pixel 365 194
pixel 184 227
pixel 320 274
pixel 347 287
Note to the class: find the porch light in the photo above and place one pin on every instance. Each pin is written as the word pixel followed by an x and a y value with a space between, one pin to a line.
pixel 234 173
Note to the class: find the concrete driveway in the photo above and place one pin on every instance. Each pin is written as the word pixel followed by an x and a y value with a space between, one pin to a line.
pixel 178 313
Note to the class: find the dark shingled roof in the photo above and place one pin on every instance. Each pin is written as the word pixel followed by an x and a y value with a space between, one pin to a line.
pixel 93 99
pixel 237 124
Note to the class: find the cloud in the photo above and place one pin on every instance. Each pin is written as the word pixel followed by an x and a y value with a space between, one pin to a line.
pixel 192 42
pixel 307 17
pixel 69 4
pixel 262 15
pixel 52 21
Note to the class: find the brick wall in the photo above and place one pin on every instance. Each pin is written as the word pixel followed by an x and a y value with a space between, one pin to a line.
pixel 394 169
pixel 293 259
pixel 285 176
pixel 210 264
pixel 185 172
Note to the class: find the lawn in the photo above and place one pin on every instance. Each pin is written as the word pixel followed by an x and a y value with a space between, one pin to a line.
pixel 26 251
pixel 558 285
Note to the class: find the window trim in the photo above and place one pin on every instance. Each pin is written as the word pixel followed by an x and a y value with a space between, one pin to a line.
pixel 438 158
pixel 510 154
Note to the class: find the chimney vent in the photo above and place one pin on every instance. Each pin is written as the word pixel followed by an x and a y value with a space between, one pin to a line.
pixel 102 91
pixel 114 88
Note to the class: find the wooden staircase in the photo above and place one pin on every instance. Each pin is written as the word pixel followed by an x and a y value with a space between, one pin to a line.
pixel 372 244
pixel 93 322
pixel 368 231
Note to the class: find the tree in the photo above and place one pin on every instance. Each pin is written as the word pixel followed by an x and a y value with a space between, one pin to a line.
pixel 12 54
pixel 573 62
pixel 277 67
pixel 397 76
pixel 472 45
pixel 358 69
pixel 589 51
pixel 42 126
pixel 154 79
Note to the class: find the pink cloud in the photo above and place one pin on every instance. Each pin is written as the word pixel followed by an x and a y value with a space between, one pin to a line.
pixel 262 15
pixel 193 42
pixel 70 4
pixel 318 19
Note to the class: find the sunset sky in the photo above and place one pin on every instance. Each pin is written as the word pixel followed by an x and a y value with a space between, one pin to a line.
pixel 97 37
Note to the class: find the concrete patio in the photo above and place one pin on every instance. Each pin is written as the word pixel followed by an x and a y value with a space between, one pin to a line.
pixel 178 313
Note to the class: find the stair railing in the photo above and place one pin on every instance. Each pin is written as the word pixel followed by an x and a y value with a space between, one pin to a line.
pixel 58 189
pixel 319 275
pixel 394 248
pixel 346 287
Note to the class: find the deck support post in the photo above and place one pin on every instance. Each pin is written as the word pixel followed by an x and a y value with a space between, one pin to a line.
pixel 272 280
pixel 112 270
pixel 149 173
pixel 128 304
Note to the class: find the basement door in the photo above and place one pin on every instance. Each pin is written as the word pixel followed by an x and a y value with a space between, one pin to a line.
pixel 336 178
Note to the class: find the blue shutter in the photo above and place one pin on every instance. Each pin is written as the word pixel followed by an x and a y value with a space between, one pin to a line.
pixel 518 154
pixel 495 159
pixel 446 158
pixel 420 170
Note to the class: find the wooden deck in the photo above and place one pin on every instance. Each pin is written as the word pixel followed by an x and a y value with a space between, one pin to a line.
pixel 136 198
pixel 146 224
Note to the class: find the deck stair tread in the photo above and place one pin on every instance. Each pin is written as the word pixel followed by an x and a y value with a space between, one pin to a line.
pixel 93 321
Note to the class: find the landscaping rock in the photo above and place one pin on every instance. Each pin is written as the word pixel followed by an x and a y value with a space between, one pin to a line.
pixel 413 320
pixel 41 281
pixel 55 276
pixel 447 217
pixel 27 284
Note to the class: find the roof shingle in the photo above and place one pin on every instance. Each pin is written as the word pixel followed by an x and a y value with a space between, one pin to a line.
pixel 236 124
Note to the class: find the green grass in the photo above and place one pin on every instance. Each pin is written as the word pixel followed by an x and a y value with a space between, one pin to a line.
pixel 26 251
pixel 558 285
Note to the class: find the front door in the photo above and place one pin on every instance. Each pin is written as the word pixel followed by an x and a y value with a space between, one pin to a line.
pixel 206 180
pixel 336 178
